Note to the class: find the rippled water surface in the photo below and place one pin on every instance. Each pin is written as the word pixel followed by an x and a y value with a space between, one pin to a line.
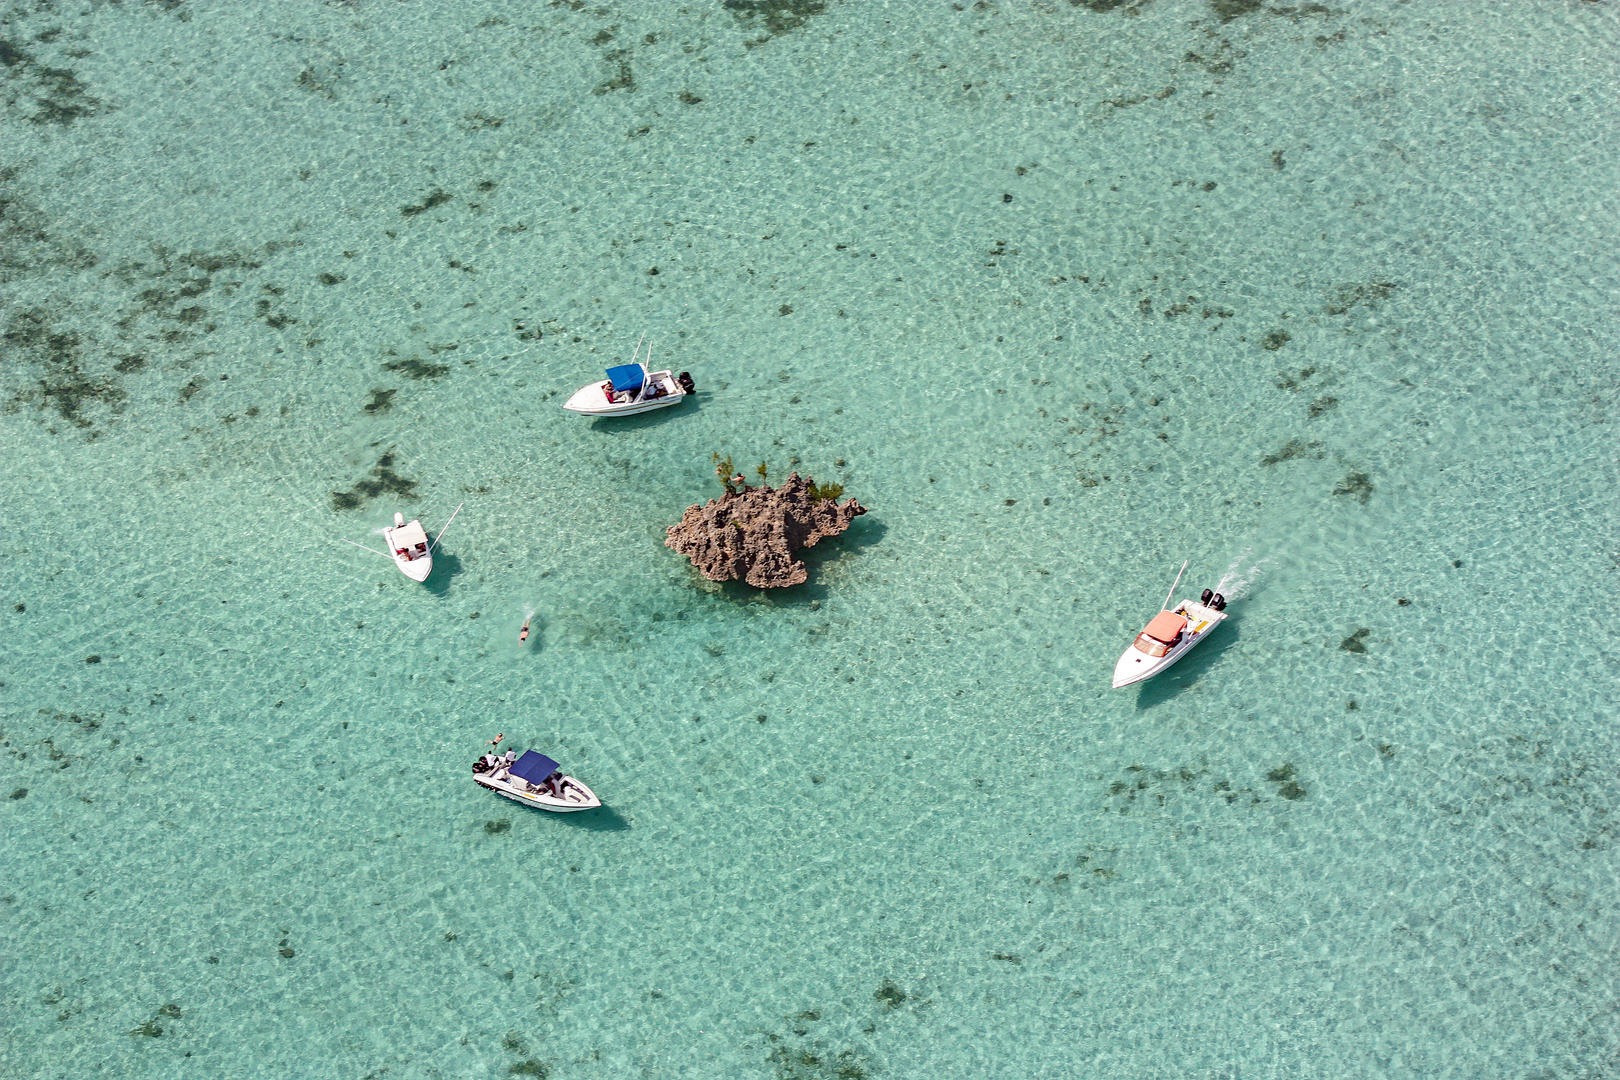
pixel 1321 299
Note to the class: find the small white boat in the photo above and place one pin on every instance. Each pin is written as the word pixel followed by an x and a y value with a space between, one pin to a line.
pixel 630 389
pixel 408 545
pixel 533 780
pixel 1169 635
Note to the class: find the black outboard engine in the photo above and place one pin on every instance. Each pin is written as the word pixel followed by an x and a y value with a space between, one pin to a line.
pixel 481 765
pixel 1205 598
pixel 1219 603
pixel 685 379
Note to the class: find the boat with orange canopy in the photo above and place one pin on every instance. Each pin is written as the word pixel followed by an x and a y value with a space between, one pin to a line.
pixel 1169 634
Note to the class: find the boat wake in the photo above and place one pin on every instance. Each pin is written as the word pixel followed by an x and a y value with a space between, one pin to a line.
pixel 1240 578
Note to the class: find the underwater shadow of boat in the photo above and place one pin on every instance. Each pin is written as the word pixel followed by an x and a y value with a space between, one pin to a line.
pixel 1184 675
pixel 445 567
pixel 598 819
pixel 862 533
pixel 624 425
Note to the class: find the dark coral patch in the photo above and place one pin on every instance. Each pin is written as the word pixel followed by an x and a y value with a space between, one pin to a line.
pixel 778 17
pixel 63 384
pixel 1357 485
pixel 384 481
pixel 381 401
pixel 438 198
pixel 623 78
pixel 415 368
pixel 56 93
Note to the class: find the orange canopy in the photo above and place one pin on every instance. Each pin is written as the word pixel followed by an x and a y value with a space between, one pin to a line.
pixel 1165 626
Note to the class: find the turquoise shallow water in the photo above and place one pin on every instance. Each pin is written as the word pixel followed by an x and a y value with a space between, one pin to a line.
pixel 1320 299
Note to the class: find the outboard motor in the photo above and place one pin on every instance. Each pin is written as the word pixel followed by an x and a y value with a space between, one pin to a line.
pixel 1219 603
pixel 1205 598
pixel 685 379
pixel 481 765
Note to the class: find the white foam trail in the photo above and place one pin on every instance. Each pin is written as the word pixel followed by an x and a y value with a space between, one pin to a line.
pixel 1239 579
pixel 528 612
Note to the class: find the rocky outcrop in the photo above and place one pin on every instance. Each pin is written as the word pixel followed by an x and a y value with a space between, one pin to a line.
pixel 753 533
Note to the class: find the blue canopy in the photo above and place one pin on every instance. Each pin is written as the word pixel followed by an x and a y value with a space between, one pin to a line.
pixel 533 767
pixel 626 377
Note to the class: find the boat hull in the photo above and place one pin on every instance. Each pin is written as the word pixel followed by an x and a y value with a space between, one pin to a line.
pixel 591 399
pixel 579 797
pixel 1135 666
pixel 416 569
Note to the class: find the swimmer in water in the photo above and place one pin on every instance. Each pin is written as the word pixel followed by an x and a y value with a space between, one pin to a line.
pixel 523 634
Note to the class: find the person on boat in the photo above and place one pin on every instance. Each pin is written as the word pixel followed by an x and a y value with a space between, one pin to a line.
pixel 555 785
pixel 523 634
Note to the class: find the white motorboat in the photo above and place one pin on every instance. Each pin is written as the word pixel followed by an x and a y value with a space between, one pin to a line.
pixel 630 389
pixel 1169 635
pixel 533 780
pixel 408 545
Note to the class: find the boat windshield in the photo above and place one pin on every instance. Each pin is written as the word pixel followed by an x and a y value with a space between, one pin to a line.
pixel 1150 645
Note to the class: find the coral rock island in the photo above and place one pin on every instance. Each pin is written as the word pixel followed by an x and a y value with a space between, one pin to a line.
pixel 753 532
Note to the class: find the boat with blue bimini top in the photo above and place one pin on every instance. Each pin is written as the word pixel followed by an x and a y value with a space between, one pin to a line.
pixel 533 780
pixel 630 389
pixel 1169 635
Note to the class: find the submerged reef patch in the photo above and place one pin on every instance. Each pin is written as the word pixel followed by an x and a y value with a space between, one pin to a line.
pixel 778 17
pixel 1287 786
pixel 40 93
pixel 416 368
pixel 1351 296
pixel 27 246
pixel 1227 10
pixel 623 77
pixel 1157 789
pixel 802 1053
pixel 385 481
pixel 381 401
pixel 62 383
pixel 1103 6
pixel 1321 405
pixel 437 198
pixel 1293 448
pixel 1357 485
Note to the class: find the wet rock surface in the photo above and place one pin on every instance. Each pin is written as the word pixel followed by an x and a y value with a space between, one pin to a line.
pixel 752 534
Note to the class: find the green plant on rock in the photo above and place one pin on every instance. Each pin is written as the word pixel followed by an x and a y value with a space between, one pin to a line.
pixel 830 491
pixel 764 472
pixel 724 469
